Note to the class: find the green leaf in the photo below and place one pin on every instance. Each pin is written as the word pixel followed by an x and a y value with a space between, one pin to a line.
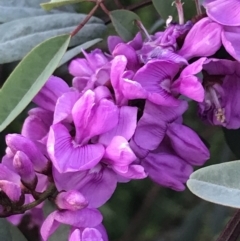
pixel 57 3
pixel 166 8
pixel 218 183
pixel 233 138
pixel 123 22
pixel 29 77
pixel 8 232
pixel 77 50
pixel 26 33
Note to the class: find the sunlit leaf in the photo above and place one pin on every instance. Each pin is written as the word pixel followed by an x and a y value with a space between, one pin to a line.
pixel 123 22
pixel 218 183
pixel 167 8
pixel 29 77
pixel 57 3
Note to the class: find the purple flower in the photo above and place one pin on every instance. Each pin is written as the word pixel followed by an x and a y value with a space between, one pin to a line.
pixel 91 71
pixel 48 95
pixel 166 168
pixel 91 117
pixel 97 184
pixel 152 126
pixel 71 200
pixel 152 81
pixel 10 183
pixel 24 168
pixel 204 39
pixel 216 8
pixel 84 218
pixel 220 84
pixel 36 125
pixel 32 150
pixel 164 45
pixel 97 234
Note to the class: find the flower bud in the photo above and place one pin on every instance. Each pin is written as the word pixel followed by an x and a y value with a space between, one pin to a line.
pixel 20 143
pixel 71 200
pixel 24 168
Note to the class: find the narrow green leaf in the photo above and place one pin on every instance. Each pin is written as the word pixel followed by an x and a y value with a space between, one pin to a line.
pixel 77 50
pixel 123 22
pixel 29 77
pixel 57 3
pixel 218 183
pixel 166 8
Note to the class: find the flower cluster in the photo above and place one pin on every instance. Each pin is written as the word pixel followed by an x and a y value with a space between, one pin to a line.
pixel 121 120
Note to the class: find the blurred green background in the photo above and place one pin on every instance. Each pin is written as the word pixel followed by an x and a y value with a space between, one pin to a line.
pixel 142 210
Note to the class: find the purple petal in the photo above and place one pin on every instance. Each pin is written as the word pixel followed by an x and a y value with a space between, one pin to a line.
pixel 82 218
pixel 209 34
pixel 188 84
pixel 230 40
pixel 91 234
pixel 156 78
pixel 68 156
pixel 51 91
pixel 96 59
pixel 167 169
pixel 126 126
pixel 137 41
pixel 119 152
pixel 139 152
pixel 12 190
pixel 49 226
pixel 71 200
pixel 79 67
pixel 97 185
pixel 8 174
pixel 231 86
pixel 75 235
pixel 134 172
pixel 220 66
pixel 187 144
pixel 215 10
pixel 113 41
pixel 129 53
pixel 37 124
pixel 64 105
pixel 20 143
pixel 118 67
pixel 80 83
pixel 93 119
pixel 24 168
pixel 153 124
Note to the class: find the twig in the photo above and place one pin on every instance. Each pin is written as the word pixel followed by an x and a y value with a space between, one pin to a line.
pixel 141 213
pixel 81 25
pixel 133 7
pixel 42 197
pixel 118 3
pixel 136 6
pixel 232 230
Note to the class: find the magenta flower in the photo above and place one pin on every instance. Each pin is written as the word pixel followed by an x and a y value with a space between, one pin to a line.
pixel 152 81
pixel 204 39
pixel 51 91
pixel 84 218
pixel 216 8
pixel 91 117
pixel 91 71
pixel 97 234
